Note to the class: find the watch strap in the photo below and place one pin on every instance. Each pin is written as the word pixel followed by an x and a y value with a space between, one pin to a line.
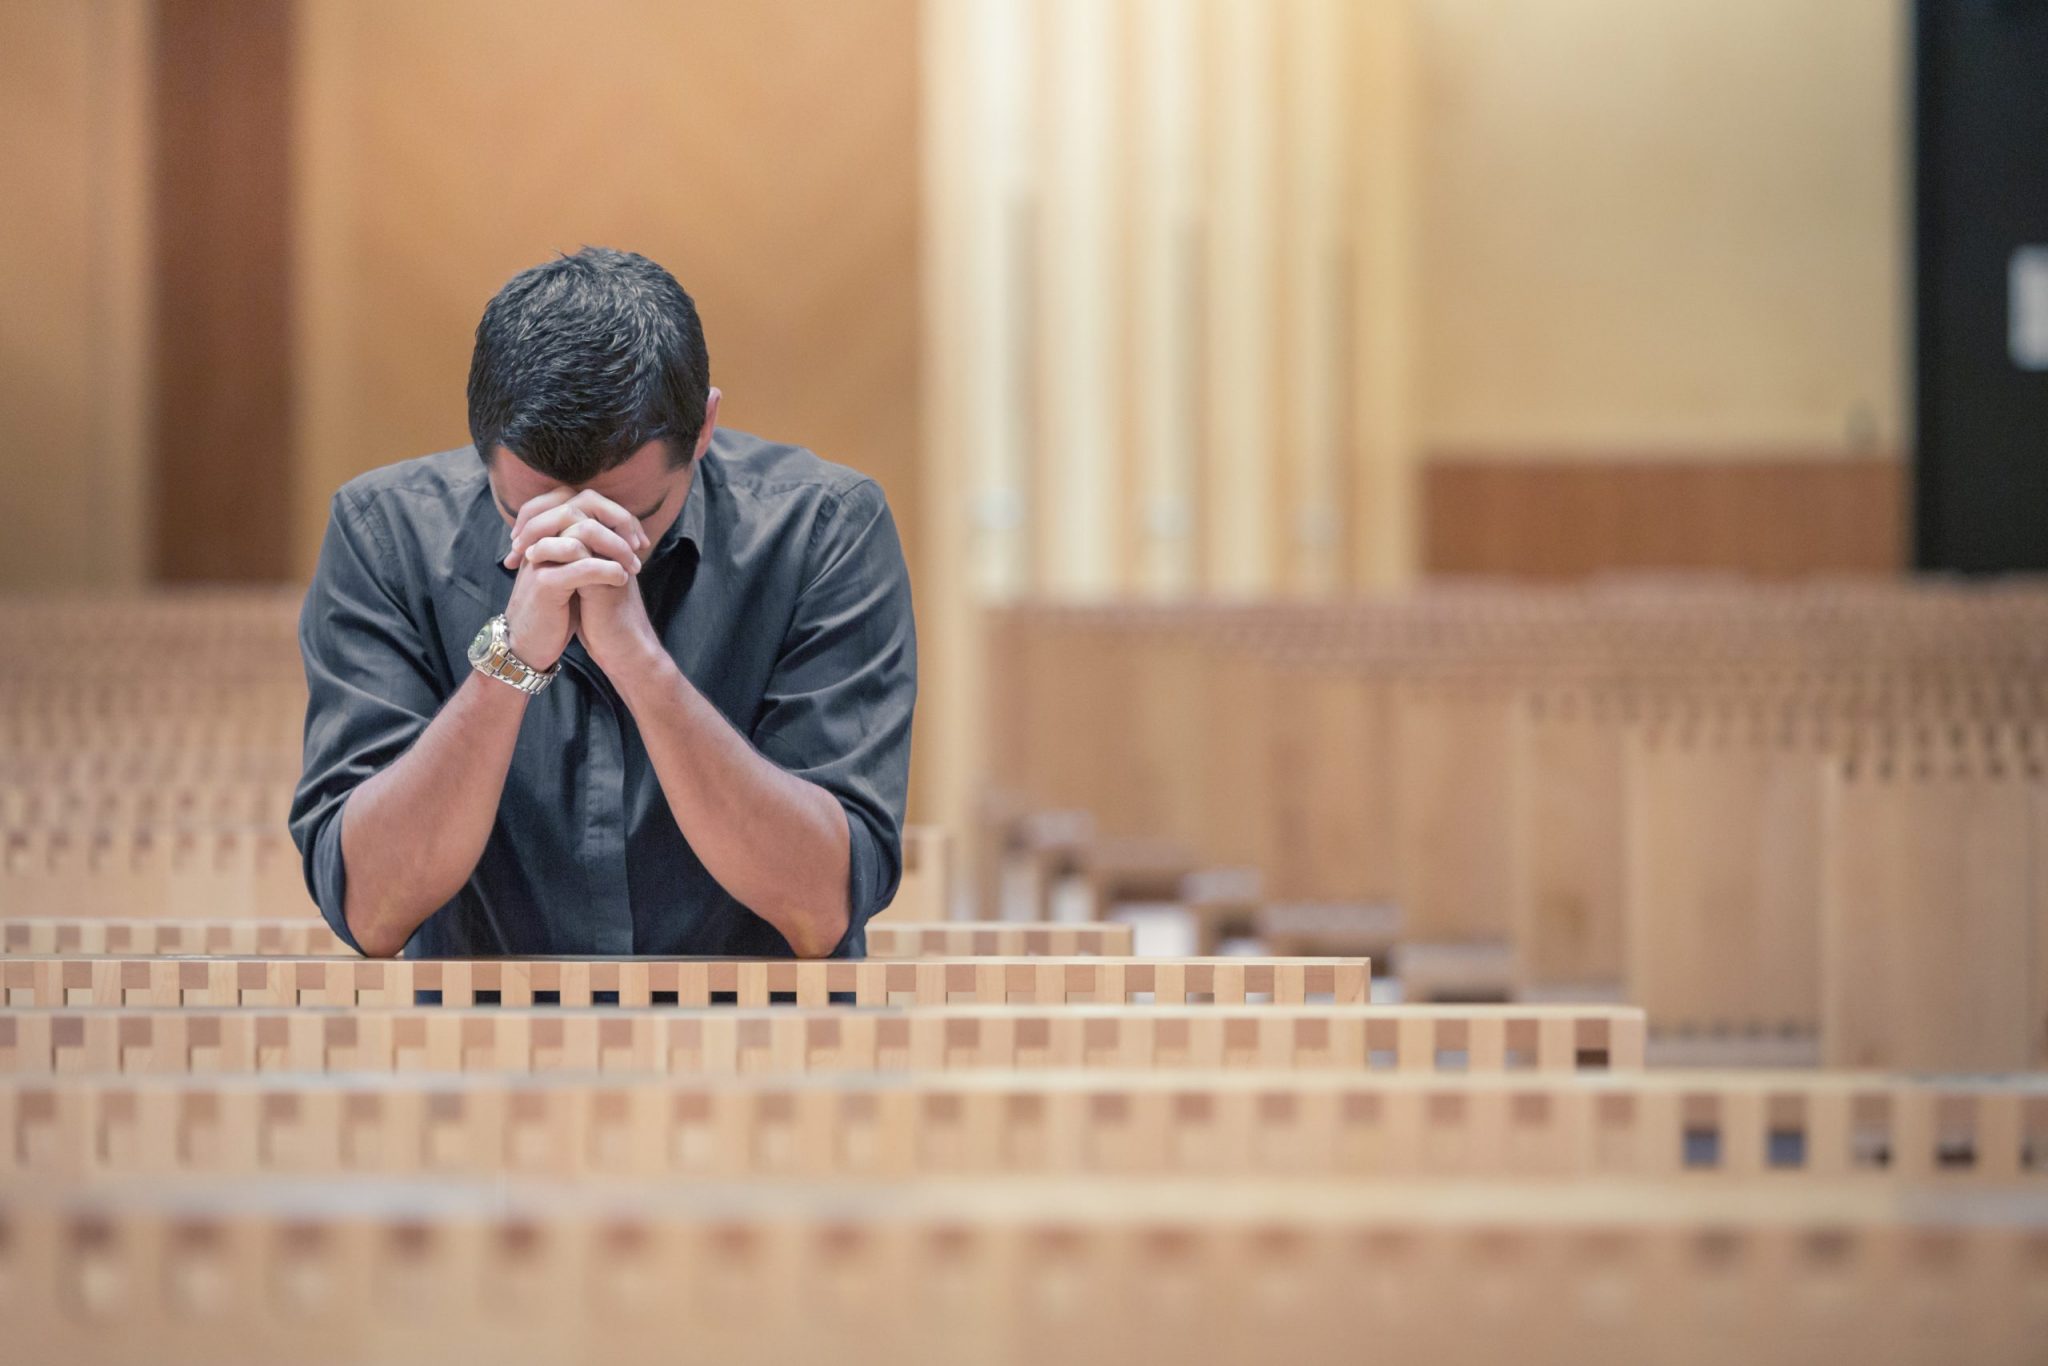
pixel 496 660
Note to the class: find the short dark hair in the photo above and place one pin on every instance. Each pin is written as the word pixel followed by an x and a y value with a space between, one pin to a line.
pixel 584 359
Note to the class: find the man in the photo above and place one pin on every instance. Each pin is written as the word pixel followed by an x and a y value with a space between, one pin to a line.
pixel 612 680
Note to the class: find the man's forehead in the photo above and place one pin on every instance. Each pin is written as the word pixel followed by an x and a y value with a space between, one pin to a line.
pixel 636 480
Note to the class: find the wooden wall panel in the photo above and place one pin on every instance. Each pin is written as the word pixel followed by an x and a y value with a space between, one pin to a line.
pixel 221 420
pixel 74 246
pixel 1554 518
pixel 766 153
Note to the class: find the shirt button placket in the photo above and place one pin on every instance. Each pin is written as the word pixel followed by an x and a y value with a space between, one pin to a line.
pixel 605 833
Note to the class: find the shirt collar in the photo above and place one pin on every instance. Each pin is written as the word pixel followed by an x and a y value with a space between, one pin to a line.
pixel 477 552
pixel 689 524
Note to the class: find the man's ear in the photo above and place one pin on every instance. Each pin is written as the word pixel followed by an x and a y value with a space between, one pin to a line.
pixel 710 425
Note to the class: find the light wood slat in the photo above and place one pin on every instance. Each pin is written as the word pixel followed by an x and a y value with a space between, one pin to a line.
pixel 113 981
pixel 1932 919
pixel 1070 1270
pixel 1933 1133
pixel 71 936
pixel 1535 1040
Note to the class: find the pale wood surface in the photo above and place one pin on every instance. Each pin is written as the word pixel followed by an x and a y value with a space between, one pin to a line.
pixel 1790 1128
pixel 52 980
pixel 887 939
pixel 1085 1270
pixel 1930 916
pixel 383 1040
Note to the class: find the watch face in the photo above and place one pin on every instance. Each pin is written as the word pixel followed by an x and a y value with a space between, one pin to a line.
pixel 481 646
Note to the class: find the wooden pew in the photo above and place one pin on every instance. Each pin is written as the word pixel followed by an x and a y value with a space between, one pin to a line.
pixel 1568 848
pixel 300 939
pixel 1499 847
pixel 1072 1270
pixel 1721 886
pixel 173 982
pixel 128 858
pixel 1521 1040
pixel 1917 1133
pixel 1453 732
pixel 1934 915
pixel 199 873
pixel 1584 749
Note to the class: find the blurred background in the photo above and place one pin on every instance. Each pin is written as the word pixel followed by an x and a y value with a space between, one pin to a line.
pixel 1166 298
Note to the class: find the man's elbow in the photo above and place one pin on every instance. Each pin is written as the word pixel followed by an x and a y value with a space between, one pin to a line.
pixel 377 943
pixel 374 947
pixel 817 934
pixel 376 936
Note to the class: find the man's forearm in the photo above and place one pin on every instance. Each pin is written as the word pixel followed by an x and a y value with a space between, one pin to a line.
pixel 777 843
pixel 412 834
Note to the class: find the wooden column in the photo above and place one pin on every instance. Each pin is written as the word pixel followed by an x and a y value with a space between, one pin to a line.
pixel 222 413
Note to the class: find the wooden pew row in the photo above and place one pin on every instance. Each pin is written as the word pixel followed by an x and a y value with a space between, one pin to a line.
pixel 187 690
pixel 302 939
pixel 251 872
pixel 1521 1040
pixel 165 619
pixel 105 769
pixel 1721 857
pixel 1067 746
pixel 1693 812
pixel 1509 815
pixel 144 802
pixel 1933 908
pixel 1541 823
pixel 1912 1133
pixel 1727 965
pixel 201 869
pixel 1573 770
pixel 257 723
pixel 1069 1270
pixel 1413 743
pixel 29 980
pixel 1878 893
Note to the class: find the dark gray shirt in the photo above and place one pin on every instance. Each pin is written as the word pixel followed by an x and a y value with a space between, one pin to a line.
pixel 782 593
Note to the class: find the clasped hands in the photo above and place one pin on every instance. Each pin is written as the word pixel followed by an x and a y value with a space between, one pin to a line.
pixel 578 557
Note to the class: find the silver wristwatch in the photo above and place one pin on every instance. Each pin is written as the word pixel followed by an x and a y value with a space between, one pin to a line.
pixel 491 653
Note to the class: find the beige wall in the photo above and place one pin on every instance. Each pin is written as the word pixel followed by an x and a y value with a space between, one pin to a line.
pixel 1660 225
pixel 73 292
pixel 765 152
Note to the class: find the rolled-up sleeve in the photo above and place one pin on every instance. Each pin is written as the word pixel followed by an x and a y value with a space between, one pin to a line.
pixel 838 704
pixel 371 690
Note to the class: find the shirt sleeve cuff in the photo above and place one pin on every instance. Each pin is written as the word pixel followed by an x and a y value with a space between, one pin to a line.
pixel 871 879
pixel 327 877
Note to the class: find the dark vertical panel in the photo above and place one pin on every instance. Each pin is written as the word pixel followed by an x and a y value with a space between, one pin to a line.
pixel 221 417
pixel 1981 184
